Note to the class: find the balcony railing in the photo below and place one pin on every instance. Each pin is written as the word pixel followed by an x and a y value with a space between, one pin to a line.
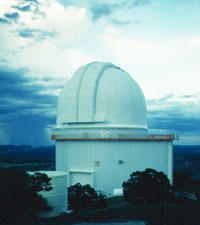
pixel 113 137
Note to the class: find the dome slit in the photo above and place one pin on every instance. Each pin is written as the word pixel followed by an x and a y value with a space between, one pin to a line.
pixel 79 88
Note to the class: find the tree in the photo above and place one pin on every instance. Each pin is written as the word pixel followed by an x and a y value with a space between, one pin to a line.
pixel 147 186
pixel 19 193
pixel 35 203
pixel 84 196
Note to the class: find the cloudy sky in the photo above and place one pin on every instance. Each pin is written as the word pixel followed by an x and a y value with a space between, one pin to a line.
pixel 42 42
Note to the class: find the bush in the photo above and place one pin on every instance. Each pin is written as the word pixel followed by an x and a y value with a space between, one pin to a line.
pixel 147 186
pixel 84 196
pixel 100 203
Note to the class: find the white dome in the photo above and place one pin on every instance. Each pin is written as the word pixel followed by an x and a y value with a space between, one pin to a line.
pixel 101 93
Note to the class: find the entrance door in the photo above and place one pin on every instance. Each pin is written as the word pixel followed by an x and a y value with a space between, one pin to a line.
pixel 80 177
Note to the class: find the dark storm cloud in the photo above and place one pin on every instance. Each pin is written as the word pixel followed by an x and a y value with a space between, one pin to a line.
pixel 26 33
pixel 106 8
pixel 174 124
pixel 187 96
pixel 31 1
pixel 190 96
pixel 36 33
pixel 25 8
pixel 137 3
pixel 24 110
pixel 30 129
pixel 123 23
pixel 7 75
pixel 160 100
pixel 100 10
pixel 166 97
pixel 15 84
pixel 9 17
pixel 19 93
pixel 12 16
pixel 179 115
pixel 2 20
pixel 33 7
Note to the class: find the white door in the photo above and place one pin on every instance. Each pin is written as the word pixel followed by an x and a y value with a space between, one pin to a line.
pixel 80 177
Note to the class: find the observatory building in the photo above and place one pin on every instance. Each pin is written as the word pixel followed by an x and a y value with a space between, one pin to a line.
pixel 101 132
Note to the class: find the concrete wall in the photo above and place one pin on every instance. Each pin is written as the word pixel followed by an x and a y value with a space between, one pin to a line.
pixel 109 163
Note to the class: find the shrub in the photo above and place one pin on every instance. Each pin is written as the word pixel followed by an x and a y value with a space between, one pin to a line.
pixel 100 203
pixel 84 196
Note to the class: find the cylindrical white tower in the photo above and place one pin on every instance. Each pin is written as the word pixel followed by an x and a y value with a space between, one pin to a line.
pixel 57 197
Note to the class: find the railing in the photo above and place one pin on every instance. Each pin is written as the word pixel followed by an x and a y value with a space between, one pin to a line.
pixel 112 136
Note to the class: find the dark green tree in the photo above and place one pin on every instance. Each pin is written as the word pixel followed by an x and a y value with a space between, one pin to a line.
pixel 181 179
pixel 147 186
pixel 19 195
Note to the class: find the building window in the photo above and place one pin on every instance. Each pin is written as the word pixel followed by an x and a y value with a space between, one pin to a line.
pixel 96 163
pixel 120 161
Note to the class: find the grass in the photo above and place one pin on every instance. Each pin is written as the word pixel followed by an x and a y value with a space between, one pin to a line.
pixel 117 210
pixel 180 212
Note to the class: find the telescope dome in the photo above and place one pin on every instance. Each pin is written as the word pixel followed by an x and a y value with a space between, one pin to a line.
pixel 102 94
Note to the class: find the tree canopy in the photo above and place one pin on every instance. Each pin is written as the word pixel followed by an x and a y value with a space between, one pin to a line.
pixel 84 196
pixel 147 186
pixel 182 179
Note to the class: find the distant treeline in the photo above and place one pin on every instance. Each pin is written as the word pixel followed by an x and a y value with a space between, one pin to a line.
pixel 24 157
pixel 186 149
pixel 26 153
pixel 187 158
